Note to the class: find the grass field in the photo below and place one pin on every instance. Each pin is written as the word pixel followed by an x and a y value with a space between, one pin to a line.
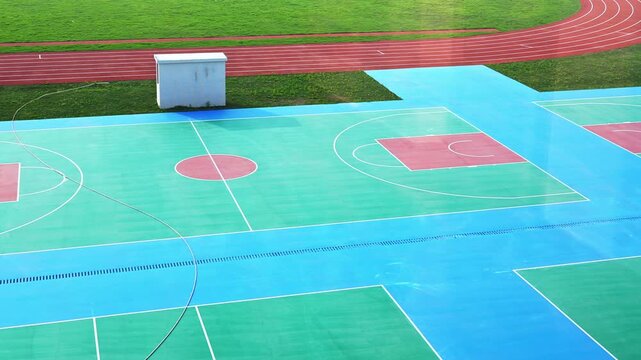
pixel 610 69
pixel 244 42
pixel 132 97
pixel 34 20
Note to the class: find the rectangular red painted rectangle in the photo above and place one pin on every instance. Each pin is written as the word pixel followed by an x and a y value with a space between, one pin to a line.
pixel 449 151
pixel 9 182
pixel 626 135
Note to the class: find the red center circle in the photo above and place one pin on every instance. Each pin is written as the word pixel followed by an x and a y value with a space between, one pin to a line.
pixel 216 167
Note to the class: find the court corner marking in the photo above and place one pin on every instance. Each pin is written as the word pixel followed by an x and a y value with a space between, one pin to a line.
pixel 411 322
pixel 563 313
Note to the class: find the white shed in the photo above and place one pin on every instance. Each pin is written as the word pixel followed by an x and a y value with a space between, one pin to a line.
pixel 192 80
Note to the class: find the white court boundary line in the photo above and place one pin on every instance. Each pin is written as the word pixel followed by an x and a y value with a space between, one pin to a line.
pixel 188 120
pixel 95 336
pixel 135 242
pixel 587 98
pixel 563 313
pixel 202 326
pixel 579 263
pixel 583 127
pixel 231 193
pixel 196 307
pixel 411 322
pixel 594 103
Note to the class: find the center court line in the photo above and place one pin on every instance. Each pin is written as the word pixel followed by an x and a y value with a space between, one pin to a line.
pixel 242 213
pixel 202 325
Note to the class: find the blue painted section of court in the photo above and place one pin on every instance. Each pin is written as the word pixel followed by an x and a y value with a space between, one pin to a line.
pixel 459 290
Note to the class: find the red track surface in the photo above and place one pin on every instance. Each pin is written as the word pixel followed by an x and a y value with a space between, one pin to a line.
pixel 599 25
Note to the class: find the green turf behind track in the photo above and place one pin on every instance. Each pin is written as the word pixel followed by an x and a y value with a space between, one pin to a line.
pixel 307 175
pixel 603 298
pixel 32 20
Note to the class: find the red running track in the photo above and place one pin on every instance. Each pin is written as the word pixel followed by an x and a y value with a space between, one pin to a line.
pixel 600 25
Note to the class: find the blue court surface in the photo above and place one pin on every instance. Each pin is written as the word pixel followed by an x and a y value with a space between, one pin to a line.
pixel 457 278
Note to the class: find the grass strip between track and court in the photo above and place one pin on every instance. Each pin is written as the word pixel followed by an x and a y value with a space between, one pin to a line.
pixel 601 297
pixel 610 69
pixel 355 323
pixel 135 97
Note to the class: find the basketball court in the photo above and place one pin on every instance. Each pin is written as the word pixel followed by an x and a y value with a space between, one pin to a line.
pixel 475 218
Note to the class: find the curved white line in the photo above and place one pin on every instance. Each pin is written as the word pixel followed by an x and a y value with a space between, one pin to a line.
pixel 371 163
pixel 63 179
pixel 80 183
pixel 419 189
pixel 449 147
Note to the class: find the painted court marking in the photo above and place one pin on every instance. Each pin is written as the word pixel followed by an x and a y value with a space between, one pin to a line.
pixel 337 153
pixel 562 312
pixel 231 167
pixel 516 271
pixel 64 203
pixel 626 135
pixel 404 111
pixel 63 179
pixel 628 143
pixel 412 322
pixel 354 154
pixel 95 336
pixel 213 161
pixel 9 182
pixel 437 151
pixel 202 326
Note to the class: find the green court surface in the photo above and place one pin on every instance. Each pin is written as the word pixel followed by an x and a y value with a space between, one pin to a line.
pixel 622 115
pixel 311 170
pixel 361 323
pixel 601 297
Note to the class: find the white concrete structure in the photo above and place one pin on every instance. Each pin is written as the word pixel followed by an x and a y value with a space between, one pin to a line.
pixel 193 80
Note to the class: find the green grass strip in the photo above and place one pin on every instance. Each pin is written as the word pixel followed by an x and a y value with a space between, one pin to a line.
pixel 610 69
pixel 217 43
pixel 35 20
pixel 134 97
